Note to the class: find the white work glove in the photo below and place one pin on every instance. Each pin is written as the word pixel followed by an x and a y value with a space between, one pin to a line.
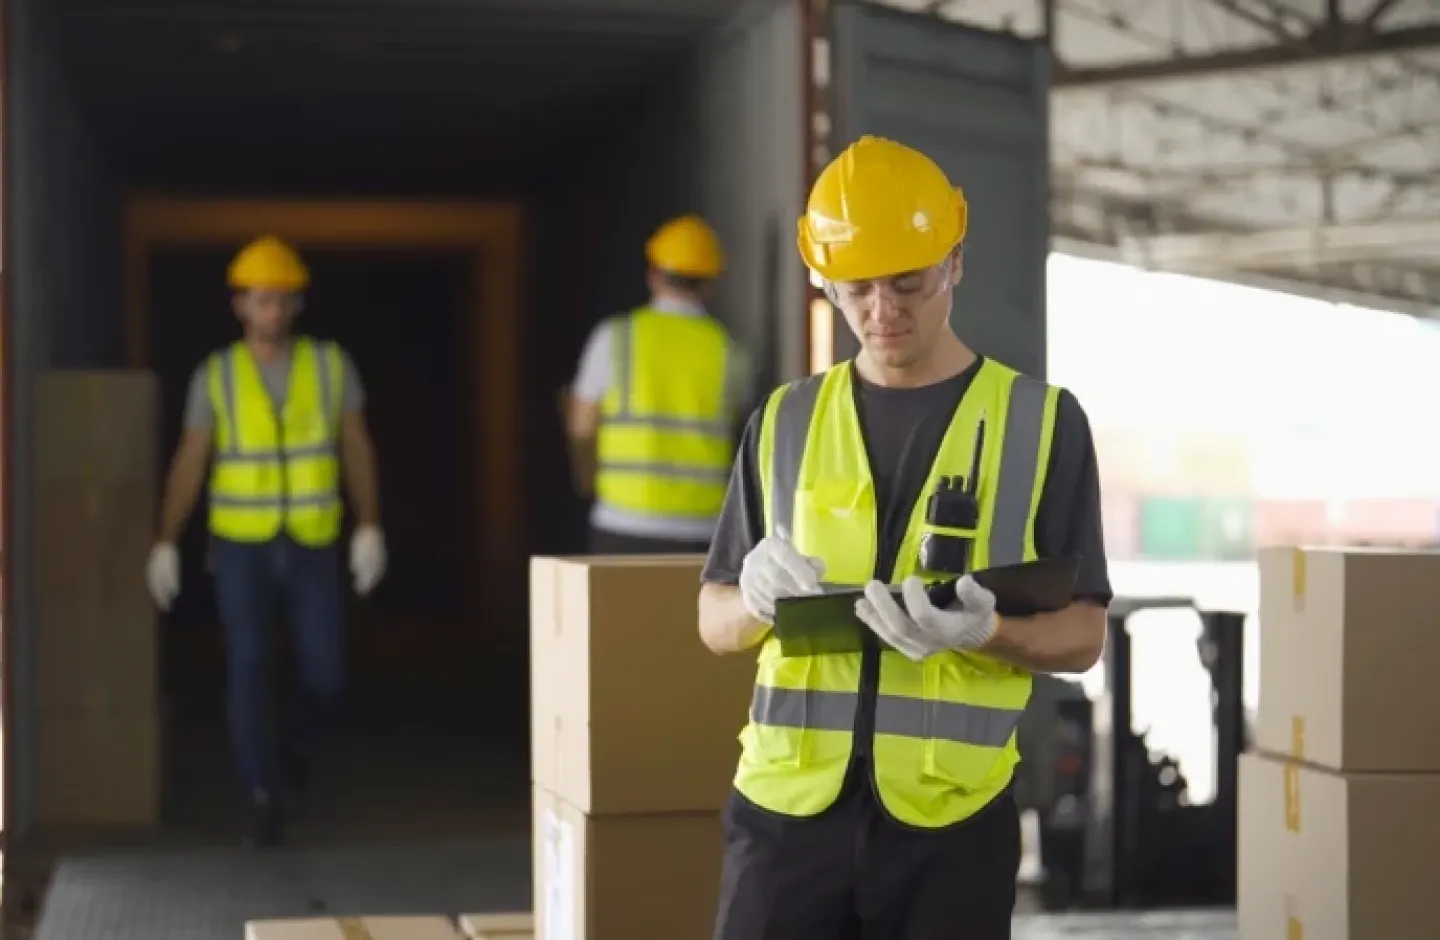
pixel 776 569
pixel 162 574
pixel 921 629
pixel 367 558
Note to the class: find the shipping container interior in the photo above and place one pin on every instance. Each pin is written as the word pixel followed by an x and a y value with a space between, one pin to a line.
pixel 596 123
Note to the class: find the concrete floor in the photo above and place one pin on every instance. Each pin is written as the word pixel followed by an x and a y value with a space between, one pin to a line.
pixel 429 744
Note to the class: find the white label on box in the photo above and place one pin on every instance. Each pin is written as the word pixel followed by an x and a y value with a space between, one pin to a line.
pixel 559 878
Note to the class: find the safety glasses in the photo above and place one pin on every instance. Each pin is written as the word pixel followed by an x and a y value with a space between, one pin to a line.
pixel 906 291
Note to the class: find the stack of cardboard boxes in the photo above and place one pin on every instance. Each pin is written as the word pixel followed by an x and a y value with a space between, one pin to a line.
pixel 1340 800
pixel 94 520
pixel 633 745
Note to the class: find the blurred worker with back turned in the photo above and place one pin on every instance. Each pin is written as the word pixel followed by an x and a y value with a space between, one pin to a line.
pixel 651 414
pixel 283 415
pixel 873 796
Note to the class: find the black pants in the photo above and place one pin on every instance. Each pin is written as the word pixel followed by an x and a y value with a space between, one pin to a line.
pixel 613 543
pixel 853 873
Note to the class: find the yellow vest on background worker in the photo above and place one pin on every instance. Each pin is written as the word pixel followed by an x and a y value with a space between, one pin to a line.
pixel 664 445
pixel 274 472
pixel 944 739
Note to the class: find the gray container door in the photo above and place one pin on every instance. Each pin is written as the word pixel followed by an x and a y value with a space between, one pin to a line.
pixel 750 103
pixel 978 104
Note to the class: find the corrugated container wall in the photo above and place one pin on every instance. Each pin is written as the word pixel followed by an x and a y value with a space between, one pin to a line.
pixel 750 99
pixel 62 257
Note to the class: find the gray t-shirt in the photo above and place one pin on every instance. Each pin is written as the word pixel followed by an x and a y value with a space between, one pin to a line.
pixel 200 413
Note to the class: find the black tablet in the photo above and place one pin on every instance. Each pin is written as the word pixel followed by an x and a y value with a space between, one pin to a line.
pixel 826 623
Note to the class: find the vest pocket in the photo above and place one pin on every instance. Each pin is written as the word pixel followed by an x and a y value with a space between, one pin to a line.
pixel 963 744
pixel 776 747
pixel 780 732
pixel 828 514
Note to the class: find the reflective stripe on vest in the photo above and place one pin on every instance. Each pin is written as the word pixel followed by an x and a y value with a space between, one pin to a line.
pixel 271 475
pixel 944 729
pixel 664 446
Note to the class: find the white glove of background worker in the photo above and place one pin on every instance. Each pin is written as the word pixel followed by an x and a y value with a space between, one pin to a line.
pixel 776 569
pixel 162 574
pixel 921 629
pixel 367 558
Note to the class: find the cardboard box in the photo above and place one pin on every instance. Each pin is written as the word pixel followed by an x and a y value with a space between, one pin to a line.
pixel 630 713
pixel 353 928
pixel 624 877
pixel 99 768
pixel 91 543
pixel 95 621
pixel 97 426
pixel 1328 856
pixel 1347 651
pixel 85 664
pixel 515 926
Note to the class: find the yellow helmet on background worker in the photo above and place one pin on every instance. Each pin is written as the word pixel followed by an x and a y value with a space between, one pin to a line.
pixel 880 209
pixel 268 263
pixel 686 247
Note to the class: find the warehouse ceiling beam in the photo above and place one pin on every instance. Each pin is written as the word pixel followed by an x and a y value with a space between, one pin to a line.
pixel 1264 16
pixel 1332 39
pixel 1337 290
pixel 1380 8
pixel 1289 248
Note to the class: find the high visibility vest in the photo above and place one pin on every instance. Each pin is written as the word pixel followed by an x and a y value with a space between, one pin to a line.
pixel 276 468
pixel 664 447
pixel 944 729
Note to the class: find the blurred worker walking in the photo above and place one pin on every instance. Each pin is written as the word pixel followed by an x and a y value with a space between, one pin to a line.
pixel 873 796
pixel 651 413
pixel 283 415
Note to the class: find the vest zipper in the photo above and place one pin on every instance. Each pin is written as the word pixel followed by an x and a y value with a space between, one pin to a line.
pixel 863 735
pixel 283 461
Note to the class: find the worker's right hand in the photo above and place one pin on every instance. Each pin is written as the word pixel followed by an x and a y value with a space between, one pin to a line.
pixel 162 574
pixel 776 569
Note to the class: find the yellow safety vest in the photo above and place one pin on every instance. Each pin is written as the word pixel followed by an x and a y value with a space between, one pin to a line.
pixel 944 742
pixel 664 446
pixel 276 469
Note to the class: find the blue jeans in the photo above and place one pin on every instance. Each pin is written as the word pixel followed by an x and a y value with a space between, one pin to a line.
pixel 252 582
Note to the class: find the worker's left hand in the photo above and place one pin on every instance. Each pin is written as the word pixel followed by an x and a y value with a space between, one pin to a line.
pixel 367 558
pixel 920 629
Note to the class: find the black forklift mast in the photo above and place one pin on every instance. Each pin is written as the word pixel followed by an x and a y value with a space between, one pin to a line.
pixel 1121 832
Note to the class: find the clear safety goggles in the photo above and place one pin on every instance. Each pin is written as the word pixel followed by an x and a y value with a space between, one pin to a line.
pixel 906 291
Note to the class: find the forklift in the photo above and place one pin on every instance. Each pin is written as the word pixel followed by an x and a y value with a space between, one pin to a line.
pixel 1118 830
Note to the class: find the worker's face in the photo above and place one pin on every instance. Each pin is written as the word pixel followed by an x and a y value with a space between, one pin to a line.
pixel 899 318
pixel 266 313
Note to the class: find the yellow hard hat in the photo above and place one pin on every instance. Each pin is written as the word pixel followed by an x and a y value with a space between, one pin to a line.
pixel 268 262
pixel 686 246
pixel 879 209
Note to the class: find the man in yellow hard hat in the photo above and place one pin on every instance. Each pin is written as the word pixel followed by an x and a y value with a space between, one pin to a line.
pixel 653 407
pixel 283 416
pixel 873 796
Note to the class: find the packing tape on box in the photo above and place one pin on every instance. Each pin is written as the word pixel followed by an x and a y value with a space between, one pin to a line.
pixel 1297 577
pixel 353 928
pixel 1294 926
pixel 1292 774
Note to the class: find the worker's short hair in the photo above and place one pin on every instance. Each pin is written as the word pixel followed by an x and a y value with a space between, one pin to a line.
pixel 686 283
